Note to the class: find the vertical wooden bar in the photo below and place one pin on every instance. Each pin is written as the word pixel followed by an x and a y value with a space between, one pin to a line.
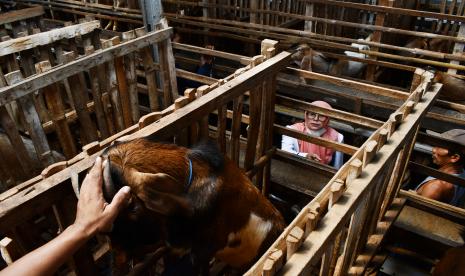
pixel 222 121
pixel 203 123
pixel 113 89
pixel 122 87
pixel 57 110
pixel 130 66
pixel 236 129
pixel 168 52
pixel 376 37
pixel 78 90
pixel 33 122
pixel 97 97
pixel 254 124
pixel 458 48
pixel 150 76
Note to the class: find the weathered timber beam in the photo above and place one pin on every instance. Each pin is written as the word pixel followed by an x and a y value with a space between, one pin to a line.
pixel 437 141
pixel 347 149
pixel 176 17
pixel 316 40
pixel 239 58
pixel 31 41
pixel 350 83
pixel 434 206
pixel 333 113
pixel 35 82
pixel 18 15
pixel 391 10
pixel 89 7
pixel 425 170
pixel 195 77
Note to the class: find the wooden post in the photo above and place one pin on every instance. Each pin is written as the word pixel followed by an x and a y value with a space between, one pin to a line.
pixel 147 60
pixel 78 90
pixel 308 12
pixel 97 88
pixel 123 87
pixel 203 124
pixel 33 122
pixel 57 110
pixel 458 48
pixel 236 129
pixel 113 90
pixel 130 66
pixel 254 126
pixel 380 17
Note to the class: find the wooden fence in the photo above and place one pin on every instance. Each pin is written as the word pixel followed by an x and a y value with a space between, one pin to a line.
pixel 32 212
pixel 339 231
pixel 55 79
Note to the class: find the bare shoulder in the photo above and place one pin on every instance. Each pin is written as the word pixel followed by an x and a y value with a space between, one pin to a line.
pixel 438 190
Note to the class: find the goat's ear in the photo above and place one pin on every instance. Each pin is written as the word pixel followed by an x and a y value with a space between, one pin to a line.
pixel 160 192
pixel 160 182
pixel 164 203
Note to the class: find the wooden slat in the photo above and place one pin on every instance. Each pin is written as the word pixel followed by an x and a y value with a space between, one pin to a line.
pixel 49 189
pixel 147 60
pixel 32 121
pixel 333 113
pixel 22 14
pixel 34 83
pixel 96 88
pixel 29 42
pixel 130 65
pixel 57 110
pixel 347 149
pixel 317 241
pixel 78 89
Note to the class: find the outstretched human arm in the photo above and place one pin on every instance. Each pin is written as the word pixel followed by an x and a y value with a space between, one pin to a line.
pixel 93 215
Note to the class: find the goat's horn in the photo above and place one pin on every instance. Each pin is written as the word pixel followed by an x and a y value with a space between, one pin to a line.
pixel 108 186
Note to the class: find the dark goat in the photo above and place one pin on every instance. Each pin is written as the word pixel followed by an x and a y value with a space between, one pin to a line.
pixel 193 200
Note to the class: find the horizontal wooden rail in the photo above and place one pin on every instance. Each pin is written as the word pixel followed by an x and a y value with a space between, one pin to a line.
pixel 434 205
pixel 425 170
pixel 391 10
pixel 14 16
pixel 35 82
pixel 175 17
pixel 201 50
pixel 350 83
pixel 333 113
pixel 31 41
pixel 347 149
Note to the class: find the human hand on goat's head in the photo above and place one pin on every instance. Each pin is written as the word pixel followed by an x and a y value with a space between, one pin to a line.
pixel 94 215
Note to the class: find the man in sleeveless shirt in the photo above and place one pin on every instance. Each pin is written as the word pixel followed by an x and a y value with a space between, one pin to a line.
pixel 451 162
pixel 316 125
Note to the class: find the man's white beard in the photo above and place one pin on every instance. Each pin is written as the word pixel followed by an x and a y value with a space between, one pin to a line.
pixel 317 133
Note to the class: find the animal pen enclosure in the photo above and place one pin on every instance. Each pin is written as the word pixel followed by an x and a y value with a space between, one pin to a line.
pixel 339 230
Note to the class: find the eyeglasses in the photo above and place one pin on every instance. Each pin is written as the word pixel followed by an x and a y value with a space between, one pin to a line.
pixel 316 116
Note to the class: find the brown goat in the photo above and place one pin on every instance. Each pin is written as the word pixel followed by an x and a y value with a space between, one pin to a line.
pixel 194 200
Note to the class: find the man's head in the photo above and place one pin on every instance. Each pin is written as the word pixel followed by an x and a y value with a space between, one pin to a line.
pixel 443 156
pixel 315 121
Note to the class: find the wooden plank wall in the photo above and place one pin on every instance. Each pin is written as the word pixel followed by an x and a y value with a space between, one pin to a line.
pixel 333 26
pixel 66 110
pixel 51 198
pixel 350 230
